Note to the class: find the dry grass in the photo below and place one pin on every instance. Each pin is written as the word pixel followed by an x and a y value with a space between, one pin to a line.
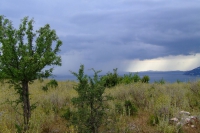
pixel 152 100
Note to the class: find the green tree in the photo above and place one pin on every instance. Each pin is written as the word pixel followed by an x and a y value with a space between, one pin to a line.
pixel 136 77
pixel 145 79
pixel 130 78
pixel 111 79
pixel 24 55
pixel 89 102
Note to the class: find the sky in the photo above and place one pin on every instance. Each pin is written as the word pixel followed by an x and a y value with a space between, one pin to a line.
pixel 131 35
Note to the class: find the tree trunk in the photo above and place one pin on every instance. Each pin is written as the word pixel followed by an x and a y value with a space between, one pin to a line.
pixel 26 105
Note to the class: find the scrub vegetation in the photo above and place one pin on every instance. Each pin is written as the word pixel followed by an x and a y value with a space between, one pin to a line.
pixel 134 108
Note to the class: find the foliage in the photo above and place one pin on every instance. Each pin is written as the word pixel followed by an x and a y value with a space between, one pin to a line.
pixel 153 120
pixel 161 81
pixel 67 114
pixel 130 78
pixel 145 79
pixel 52 83
pixel 130 108
pixel 89 102
pixel 19 128
pixel 24 55
pixel 111 79
pixel 136 77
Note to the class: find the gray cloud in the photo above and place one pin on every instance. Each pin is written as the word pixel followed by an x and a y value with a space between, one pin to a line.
pixel 102 33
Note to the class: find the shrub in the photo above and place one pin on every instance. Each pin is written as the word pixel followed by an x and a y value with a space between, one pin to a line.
pixel 52 83
pixel 145 79
pixel 161 81
pixel 111 79
pixel 89 103
pixel 136 77
pixel 67 114
pixel 129 78
pixel 153 120
pixel 130 108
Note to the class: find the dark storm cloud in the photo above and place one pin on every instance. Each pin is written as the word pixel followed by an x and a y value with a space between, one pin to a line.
pixel 175 29
pixel 116 30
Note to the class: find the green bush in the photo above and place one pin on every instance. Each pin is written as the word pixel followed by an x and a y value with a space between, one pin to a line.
pixel 153 120
pixel 67 114
pixel 162 81
pixel 52 83
pixel 89 103
pixel 130 78
pixel 136 77
pixel 111 79
pixel 130 108
pixel 145 79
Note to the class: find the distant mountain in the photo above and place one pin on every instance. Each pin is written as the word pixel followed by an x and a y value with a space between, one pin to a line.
pixel 194 72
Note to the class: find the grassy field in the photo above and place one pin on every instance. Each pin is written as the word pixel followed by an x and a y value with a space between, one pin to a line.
pixel 155 104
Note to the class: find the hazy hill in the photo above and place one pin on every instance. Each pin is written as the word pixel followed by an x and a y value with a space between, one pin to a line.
pixel 194 72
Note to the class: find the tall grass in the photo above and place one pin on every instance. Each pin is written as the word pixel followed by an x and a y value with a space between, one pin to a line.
pixel 155 104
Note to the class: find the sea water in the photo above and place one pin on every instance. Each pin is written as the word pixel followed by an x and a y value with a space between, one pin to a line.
pixel 169 77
